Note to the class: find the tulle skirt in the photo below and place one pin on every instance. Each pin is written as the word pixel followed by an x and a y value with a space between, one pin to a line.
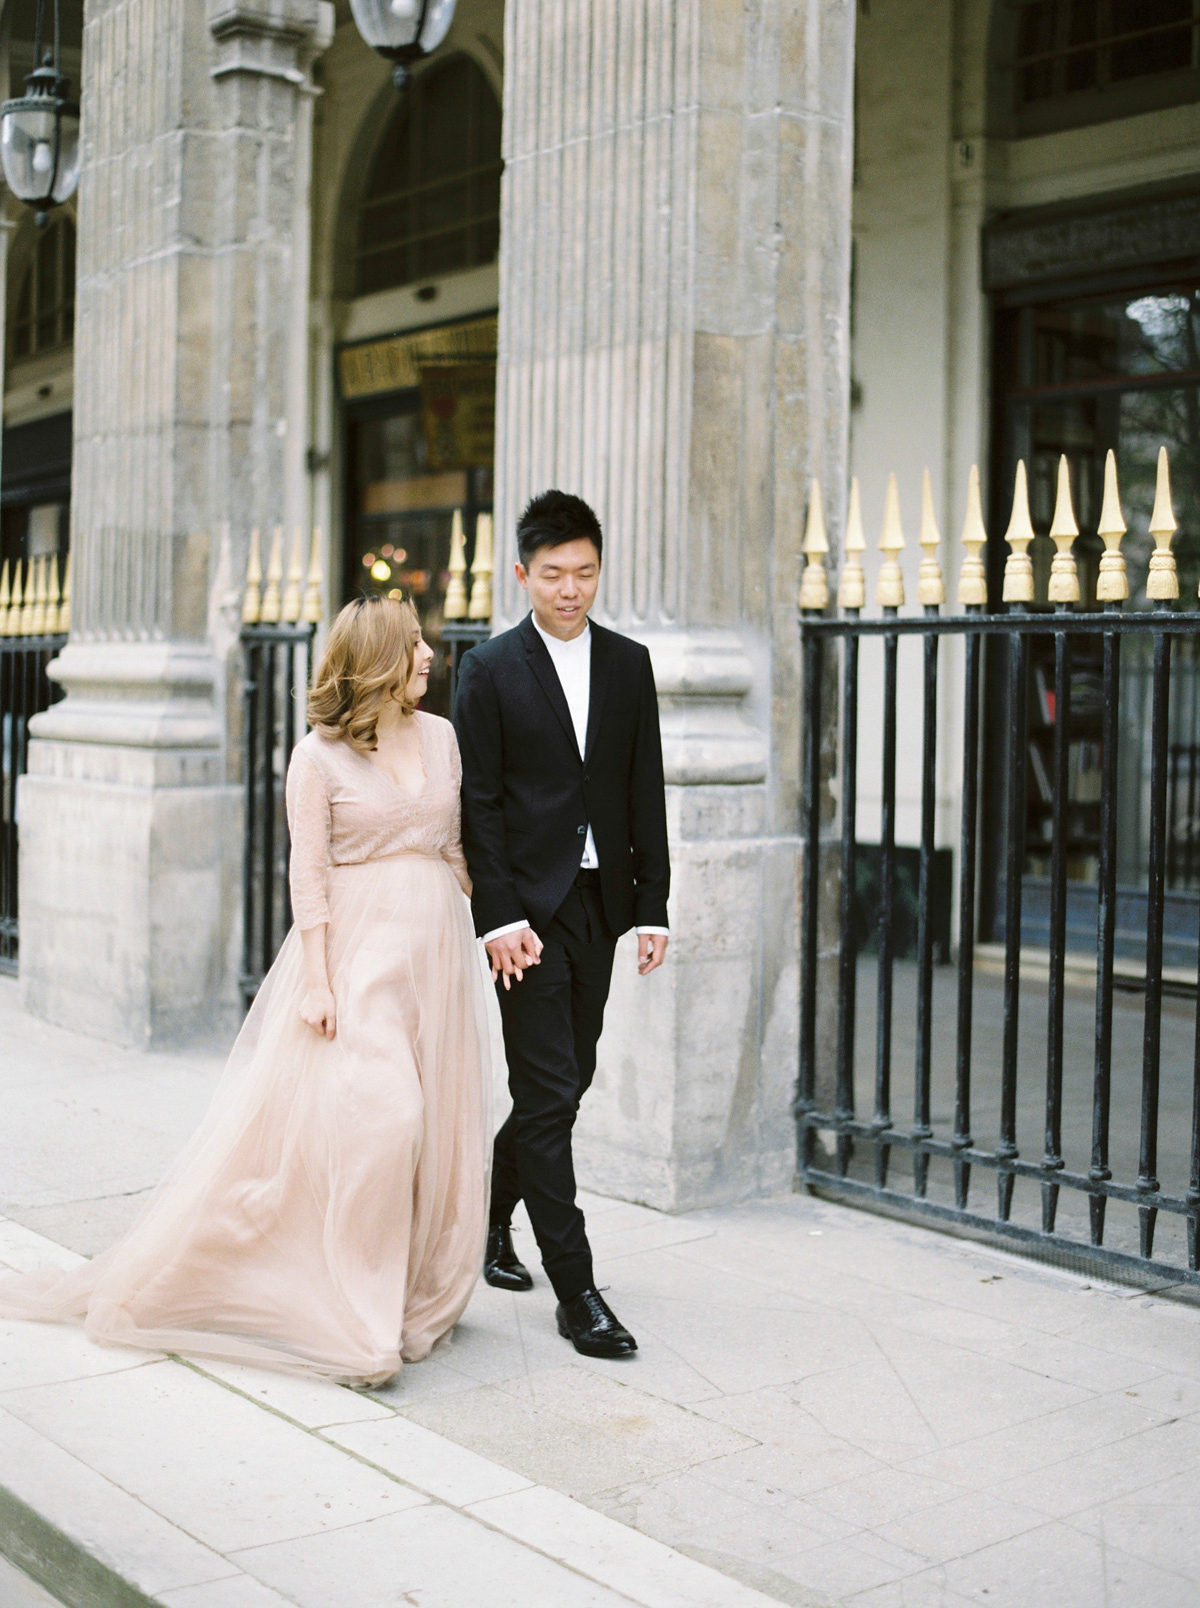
pixel 328 1217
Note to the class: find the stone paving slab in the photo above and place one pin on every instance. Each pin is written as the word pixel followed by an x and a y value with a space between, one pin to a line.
pixel 129 1480
pixel 828 1409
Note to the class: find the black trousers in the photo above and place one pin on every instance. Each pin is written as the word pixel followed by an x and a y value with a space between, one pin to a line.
pixel 552 1020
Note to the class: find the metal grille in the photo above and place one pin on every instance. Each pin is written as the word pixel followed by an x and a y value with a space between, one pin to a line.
pixel 25 690
pixel 278 671
pixel 851 1154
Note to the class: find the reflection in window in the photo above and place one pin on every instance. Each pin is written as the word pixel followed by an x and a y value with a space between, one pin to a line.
pixel 1100 338
pixel 432 203
pixel 1070 47
pixel 1079 376
pixel 44 311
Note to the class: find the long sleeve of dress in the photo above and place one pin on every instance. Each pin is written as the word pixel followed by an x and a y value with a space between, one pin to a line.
pixel 309 823
pixel 453 852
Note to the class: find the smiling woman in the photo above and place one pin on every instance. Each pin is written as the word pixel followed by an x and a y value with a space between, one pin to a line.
pixel 328 1217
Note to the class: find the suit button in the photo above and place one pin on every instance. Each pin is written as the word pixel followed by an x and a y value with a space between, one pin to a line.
pixel 587 778
pixel 581 830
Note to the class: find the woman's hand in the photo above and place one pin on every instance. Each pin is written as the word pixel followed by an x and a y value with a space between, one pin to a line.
pixel 318 1010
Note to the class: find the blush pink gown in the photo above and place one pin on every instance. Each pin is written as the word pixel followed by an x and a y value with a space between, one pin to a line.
pixel 329 1215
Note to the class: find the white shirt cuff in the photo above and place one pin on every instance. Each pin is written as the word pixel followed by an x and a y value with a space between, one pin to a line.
pixel 661 932
pixel 499 932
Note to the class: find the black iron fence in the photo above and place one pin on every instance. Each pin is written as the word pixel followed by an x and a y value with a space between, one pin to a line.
pixel 35 614
pixel 277 670
pixel 25 690
pixel 928 1166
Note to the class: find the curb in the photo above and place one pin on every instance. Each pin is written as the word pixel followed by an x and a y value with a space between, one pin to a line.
pixel 58 1563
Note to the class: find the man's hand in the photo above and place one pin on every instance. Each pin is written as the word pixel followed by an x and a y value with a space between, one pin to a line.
pixel 652 951
pixel 513 953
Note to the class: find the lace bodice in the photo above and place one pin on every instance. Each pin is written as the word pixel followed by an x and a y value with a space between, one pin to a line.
pixel 343 810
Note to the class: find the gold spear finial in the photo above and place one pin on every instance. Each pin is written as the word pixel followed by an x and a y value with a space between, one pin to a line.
pixel 455 606
pixel 972 577
pixel 64 608
pixel 889 588
pixel 931 590
pixel 13 627
pixel 31 569
pixel 312 590
pixel 293 592
pixel 1112 584
pixel 481 570
pixel 1064 575
pixel 269 614
pixel 1162 583
pixel 252 602
pixel 814 583
pixel 53 595
pixel 37 625
pixel 1018 567
pixel 4 597
pixel 852 592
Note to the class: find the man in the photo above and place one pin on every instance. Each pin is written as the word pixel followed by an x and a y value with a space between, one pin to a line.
pixel 565 831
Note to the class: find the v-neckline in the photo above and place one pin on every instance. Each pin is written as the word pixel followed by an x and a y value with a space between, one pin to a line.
pixel 391 780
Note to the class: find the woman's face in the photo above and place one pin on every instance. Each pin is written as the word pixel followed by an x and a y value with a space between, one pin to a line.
pixel 418 682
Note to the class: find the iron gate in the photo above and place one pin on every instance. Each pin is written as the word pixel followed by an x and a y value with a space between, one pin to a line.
pixel 277 672
pixel 855 1156
pixel 34 618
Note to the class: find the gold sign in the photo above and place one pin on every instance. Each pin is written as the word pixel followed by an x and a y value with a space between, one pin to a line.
pixel 396 363
pixel 458 411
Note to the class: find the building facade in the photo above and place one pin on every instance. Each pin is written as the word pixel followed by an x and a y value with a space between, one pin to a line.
pixel 682 258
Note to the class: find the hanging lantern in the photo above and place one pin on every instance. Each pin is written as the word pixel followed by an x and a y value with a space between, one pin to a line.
pixel 403 30
pixel 39 132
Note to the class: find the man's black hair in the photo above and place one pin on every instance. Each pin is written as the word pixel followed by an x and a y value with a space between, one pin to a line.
pixel 553 518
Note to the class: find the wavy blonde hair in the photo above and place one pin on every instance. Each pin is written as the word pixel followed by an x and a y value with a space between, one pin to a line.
pixel 367 660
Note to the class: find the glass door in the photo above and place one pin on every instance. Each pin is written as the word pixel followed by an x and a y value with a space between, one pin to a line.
pixel 1079 375
pixel 402 500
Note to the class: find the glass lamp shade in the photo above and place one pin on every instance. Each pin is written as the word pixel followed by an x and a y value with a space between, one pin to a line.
pixel 403 30
pixel 39 142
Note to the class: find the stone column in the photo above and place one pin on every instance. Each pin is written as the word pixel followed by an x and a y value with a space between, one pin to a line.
pixel 674 295
pixel 188 433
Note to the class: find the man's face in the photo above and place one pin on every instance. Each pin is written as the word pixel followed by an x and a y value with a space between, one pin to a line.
pixel 561 582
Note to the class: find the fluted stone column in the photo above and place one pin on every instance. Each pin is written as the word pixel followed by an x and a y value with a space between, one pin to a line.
pixel 674 346
pixel 188 432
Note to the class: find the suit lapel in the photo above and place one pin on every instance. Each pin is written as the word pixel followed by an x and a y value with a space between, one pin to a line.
pixel 542 666
pixel 601 665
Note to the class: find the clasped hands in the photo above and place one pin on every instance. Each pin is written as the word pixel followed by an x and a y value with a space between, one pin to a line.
pixel 513 953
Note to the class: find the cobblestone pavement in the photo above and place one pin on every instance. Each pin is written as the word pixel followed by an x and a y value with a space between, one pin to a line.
pixel 827 1408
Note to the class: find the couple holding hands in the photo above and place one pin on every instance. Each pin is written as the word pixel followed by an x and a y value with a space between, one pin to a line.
pixel 332 1211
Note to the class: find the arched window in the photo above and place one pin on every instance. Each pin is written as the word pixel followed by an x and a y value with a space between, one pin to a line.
pixel 432 202
pixel 44 310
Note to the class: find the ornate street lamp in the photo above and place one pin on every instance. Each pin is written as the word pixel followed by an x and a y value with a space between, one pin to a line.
pixel 39 132
pixel 403 30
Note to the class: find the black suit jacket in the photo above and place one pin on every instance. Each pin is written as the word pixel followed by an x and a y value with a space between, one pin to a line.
pixel 528 795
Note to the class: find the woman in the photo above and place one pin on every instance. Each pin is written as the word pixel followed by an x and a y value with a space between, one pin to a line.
pixel 329 1215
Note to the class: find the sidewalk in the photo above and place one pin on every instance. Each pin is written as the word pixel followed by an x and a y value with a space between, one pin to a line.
pixel 828 1408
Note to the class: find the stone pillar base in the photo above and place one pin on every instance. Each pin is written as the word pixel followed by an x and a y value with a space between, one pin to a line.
pixel 692 1099
pixel 130 851
pixel 130 874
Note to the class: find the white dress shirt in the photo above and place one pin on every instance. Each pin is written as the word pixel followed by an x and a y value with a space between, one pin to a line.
pixel 573 662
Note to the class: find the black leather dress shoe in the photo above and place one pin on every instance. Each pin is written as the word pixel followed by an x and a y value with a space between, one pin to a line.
pixel 589 1324
pixel 502 1268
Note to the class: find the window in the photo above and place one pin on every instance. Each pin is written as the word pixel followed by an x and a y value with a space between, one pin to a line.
pixel 432 203
pixel 44 312
pixel 1073 62
pixel 1064 46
